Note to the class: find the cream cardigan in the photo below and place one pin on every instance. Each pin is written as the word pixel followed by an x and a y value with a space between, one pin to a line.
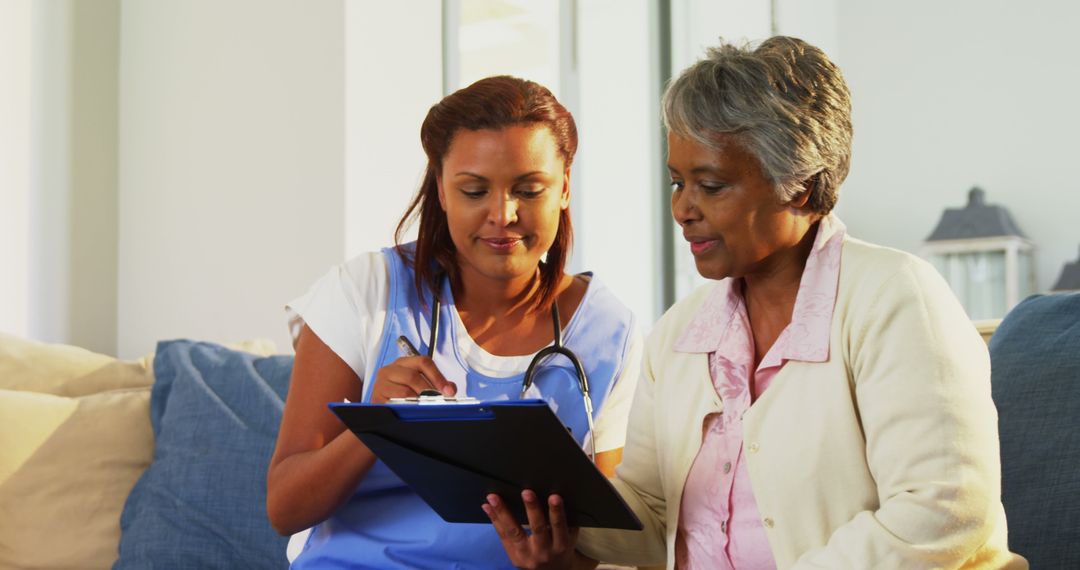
pixel 883 456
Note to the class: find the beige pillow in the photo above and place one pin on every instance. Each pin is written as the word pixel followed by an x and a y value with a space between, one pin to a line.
pixel 63 370
pixel 67 465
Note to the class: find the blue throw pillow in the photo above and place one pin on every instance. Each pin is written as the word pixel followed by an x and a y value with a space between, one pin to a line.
pixel 202 502
pixel 1035 359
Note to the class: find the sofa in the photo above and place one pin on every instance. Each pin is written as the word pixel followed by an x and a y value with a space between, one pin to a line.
pixel 1035 360
pixel 158 462
pixel 161 462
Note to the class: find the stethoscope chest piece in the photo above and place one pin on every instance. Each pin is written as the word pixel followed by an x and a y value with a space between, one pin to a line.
pixel 557 348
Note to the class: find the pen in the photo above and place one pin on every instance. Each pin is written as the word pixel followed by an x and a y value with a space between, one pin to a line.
pixel 406 346
pixel 410 350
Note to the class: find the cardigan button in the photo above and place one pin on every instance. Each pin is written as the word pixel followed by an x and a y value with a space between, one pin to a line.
pixel 767 522
pixel 753 448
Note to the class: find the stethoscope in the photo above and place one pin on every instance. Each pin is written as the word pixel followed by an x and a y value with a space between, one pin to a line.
pixel 557 347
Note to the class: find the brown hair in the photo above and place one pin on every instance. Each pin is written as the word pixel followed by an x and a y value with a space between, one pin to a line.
pixel 492 103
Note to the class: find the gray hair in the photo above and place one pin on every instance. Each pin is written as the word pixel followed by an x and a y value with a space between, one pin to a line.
pixel 784 101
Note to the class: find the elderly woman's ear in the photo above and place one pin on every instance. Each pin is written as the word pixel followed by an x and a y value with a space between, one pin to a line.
pixel 801 200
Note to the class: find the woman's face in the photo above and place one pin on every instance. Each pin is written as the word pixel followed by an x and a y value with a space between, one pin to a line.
pixel 729 211
pixel 502 191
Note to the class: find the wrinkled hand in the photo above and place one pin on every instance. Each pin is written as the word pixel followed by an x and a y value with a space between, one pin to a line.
pixel 406 377
pixel 550 544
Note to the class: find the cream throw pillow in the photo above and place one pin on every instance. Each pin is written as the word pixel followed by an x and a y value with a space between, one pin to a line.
pixel 65 370
pixel 66 468
pixel 75 438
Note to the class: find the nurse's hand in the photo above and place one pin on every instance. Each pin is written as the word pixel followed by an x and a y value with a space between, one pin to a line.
pixel 406 377
pixel 551 542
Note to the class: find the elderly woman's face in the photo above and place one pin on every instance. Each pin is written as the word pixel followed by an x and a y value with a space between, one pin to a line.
pixel 729 211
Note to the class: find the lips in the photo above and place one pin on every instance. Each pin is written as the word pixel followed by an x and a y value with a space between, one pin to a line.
pixel 701 245
pixel 506 243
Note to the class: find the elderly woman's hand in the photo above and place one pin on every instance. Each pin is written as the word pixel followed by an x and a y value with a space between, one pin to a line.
pixel 550 544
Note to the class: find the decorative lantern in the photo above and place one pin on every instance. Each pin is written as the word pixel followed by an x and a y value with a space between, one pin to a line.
pixel 983 255
pixel 1069 279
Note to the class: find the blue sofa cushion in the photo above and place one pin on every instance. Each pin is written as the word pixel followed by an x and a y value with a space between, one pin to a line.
pixel 1035 355
pixel 202 502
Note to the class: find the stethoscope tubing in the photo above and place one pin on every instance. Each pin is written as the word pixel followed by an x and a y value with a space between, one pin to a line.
pixel 557 347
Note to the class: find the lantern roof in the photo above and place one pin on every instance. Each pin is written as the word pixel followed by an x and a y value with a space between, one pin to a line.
pixel 975 220
pixel 1070 277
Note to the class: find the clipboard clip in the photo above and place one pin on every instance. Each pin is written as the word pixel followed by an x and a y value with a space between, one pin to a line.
pixel 428 400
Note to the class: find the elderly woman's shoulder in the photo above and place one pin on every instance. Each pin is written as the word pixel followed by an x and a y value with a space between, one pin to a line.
pixel 872 270
pixel 867 258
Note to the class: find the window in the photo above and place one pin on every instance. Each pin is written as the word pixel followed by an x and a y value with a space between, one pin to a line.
pixel 504 37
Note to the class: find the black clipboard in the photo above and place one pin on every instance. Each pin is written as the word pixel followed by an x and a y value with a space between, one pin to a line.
pixel 454 455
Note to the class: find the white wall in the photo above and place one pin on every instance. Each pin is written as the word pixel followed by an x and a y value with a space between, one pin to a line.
pixel 232 165
pixel 618 151
pixel 15 172
pixel 50 144
pixel 393 75
pixel 951 95
pixel 812 20
pixel 59 149
pixel 698 24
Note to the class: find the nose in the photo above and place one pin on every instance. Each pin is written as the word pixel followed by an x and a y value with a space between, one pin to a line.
pixel 504 210
pixel 684 208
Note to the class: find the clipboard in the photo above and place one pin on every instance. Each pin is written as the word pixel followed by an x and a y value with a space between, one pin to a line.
pixel 454 455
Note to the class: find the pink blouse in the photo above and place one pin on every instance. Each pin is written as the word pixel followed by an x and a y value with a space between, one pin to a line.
pixel 719 523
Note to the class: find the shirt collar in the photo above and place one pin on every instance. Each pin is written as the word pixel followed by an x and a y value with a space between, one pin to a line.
pixel 707 330
pixel 811 320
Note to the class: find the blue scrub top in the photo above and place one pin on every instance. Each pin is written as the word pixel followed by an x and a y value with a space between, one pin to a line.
pixel 385 524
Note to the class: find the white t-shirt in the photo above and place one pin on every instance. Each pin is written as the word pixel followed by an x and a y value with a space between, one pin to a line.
pixel 346 308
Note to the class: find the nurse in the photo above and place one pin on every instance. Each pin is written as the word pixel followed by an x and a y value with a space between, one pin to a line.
pixel 494 236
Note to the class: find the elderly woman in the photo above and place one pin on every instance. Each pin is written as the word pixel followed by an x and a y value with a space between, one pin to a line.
pixel 825 403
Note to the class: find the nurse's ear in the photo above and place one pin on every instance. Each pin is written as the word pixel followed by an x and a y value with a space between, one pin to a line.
pixel 564 195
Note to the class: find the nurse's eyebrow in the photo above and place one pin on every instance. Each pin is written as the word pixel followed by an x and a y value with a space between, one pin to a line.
pixel 530 175
pixel 519 177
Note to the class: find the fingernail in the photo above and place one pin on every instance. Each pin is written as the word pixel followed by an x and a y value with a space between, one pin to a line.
pixel 493 500
pixel 528 496
pixel 487 509
pixel 554 500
